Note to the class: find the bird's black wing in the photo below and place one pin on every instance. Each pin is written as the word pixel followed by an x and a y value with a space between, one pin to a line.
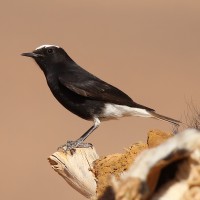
pixel 92 87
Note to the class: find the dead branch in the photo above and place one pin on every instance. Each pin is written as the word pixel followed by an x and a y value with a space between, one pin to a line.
pixel 170 170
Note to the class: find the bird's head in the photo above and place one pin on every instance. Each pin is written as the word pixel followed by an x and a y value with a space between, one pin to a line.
pixel 49 57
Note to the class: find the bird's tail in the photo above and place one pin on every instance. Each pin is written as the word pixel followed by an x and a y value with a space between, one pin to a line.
pixel 164 118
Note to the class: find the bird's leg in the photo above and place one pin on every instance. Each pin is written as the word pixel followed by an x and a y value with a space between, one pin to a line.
pixel 79 142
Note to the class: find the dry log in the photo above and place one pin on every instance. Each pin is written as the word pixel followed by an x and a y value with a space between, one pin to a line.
pixel 170 170
pixel 76 169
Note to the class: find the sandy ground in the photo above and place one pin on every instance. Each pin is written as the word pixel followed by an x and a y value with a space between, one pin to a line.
pixel 149 49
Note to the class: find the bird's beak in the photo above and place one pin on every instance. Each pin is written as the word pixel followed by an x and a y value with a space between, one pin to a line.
pixel 32 55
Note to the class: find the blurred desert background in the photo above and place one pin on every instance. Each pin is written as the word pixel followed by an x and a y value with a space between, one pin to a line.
pixel 148 49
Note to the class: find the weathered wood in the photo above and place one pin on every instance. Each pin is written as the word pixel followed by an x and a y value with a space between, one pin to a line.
pixel 170 170
pixel 76 169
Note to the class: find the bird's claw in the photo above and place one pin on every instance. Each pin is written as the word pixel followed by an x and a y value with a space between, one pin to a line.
pixel 72 145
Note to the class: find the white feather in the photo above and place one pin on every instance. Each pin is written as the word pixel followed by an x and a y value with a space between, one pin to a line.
pixel 112 111
pixel 46 45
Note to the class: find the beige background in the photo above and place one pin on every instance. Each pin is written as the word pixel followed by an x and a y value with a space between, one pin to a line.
pixel 149 49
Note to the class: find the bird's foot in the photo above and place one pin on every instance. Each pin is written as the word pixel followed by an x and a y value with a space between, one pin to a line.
pixel 72 145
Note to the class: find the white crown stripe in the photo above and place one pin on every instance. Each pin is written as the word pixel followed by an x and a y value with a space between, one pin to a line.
pixel 45 46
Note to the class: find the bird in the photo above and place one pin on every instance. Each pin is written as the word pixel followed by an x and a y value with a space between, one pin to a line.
pixel 84 94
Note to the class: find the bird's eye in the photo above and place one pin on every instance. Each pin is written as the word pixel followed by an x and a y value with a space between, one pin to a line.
pixel 50 51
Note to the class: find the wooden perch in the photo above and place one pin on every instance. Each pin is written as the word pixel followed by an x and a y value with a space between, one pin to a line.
pixel 151 170
pixel 76 169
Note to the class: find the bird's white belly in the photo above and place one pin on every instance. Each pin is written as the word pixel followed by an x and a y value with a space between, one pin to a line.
pixel 114 111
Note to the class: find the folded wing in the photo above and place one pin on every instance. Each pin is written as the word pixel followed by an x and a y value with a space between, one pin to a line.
pixel 94 88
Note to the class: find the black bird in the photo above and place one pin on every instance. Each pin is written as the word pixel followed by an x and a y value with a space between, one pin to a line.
pixel 84 94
